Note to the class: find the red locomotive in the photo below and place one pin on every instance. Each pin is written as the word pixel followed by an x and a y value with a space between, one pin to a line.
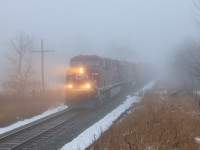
pixel 91 79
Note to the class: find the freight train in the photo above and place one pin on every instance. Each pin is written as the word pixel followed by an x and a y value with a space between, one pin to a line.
pixel 91 79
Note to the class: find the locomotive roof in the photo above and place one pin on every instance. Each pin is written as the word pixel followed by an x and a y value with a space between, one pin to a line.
pixel 87 57
pixel 95 57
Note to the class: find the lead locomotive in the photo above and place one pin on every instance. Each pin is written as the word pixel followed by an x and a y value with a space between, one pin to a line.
pixel 91 79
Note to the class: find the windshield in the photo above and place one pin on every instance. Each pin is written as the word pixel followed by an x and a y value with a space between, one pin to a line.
pixel 86 62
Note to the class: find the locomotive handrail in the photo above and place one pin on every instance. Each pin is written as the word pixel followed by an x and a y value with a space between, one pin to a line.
pixel 114 85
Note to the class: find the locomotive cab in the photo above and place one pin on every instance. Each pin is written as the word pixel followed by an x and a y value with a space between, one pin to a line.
pixel 82 80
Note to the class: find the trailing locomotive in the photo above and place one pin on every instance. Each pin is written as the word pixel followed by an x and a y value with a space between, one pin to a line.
pixel 92 79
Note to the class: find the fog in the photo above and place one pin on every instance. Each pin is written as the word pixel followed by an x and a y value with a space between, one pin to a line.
pixel 137 30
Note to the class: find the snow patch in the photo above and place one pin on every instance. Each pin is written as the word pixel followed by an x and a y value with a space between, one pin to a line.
pixel 27 121
pixel 149 86
pixel 197 139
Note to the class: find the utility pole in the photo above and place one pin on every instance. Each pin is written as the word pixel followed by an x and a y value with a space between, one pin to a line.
pixel 42 51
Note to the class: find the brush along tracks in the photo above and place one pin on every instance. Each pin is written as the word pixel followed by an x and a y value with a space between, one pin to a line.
pixel 21 138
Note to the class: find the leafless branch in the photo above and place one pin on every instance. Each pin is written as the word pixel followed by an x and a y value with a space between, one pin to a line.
pixel 20 70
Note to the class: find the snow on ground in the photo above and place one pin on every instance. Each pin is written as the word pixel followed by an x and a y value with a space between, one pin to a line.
pixel 197 139
pixel 149 86
pixel 87 137
pixel 27 121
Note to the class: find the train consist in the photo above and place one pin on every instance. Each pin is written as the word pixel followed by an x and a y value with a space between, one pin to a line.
pixel 92 79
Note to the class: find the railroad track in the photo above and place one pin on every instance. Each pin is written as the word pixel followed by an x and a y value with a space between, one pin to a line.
pixel 27 134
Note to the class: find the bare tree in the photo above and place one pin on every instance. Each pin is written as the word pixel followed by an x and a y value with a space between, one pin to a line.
pixel 196 12
pixel 186 65
pixel 20 68
pixel 190 55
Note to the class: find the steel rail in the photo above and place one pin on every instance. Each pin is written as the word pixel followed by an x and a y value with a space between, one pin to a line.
pixel 28 133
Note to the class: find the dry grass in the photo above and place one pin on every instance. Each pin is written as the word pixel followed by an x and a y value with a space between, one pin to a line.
pixel 14 107
pixel 156 123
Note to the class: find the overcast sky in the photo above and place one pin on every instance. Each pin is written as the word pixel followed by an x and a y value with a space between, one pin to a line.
pixel 125 29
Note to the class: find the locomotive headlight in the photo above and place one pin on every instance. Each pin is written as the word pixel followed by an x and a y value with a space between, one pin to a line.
pixel 69 86
pixel 81 70
pixel 88 86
